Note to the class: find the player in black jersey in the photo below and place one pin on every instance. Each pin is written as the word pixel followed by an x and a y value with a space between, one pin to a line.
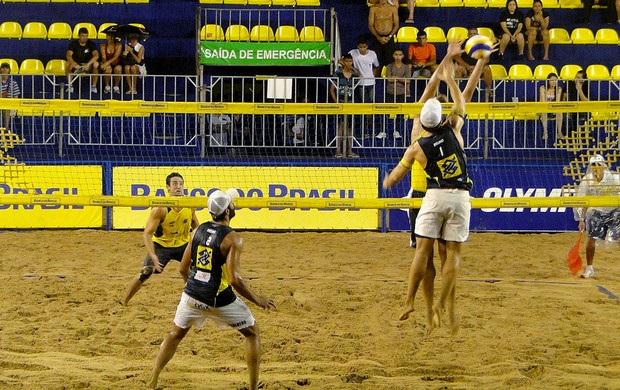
pixel 211 270
pixel 445 211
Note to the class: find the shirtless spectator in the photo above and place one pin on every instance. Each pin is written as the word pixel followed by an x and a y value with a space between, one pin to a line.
pixel 383 24
pixel 111 62
pixel 82 57
pixel 422 57
pixel 410 7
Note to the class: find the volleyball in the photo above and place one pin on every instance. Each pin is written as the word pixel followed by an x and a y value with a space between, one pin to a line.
pixel 478 46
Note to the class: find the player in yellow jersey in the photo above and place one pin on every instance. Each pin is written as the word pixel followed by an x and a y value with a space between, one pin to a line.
pixel 165 235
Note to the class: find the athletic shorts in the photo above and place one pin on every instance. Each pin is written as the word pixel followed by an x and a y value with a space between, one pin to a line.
pixel 604 226
pixel 165 255
pixel 444 214
pixel 192 312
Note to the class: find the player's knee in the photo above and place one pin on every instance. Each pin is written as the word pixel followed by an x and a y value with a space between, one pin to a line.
pixel 146 273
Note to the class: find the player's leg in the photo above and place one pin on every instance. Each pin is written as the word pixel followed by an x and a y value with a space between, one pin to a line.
pixel 417 272
pixel 252 353
pixel 136 283
pixel 448 281
pixel 428 286
pixel 166 351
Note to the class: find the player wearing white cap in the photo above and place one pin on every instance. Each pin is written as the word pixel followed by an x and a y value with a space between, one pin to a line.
pixel 211 270
pixel 601 223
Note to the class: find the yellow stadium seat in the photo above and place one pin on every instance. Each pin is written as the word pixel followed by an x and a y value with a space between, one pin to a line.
pixel 87 1
pixel 11 30
pixel 103 26
pixel 311 34
pixel 38 1
pixel 569 71
pixel 259 2
pixel 607 36
pixel 211 1
pixel 92 30
pixel 456 34
pixel 286 34
pixel 13 1
pixel 236 2
pixel 475 3
pixel 525 5
pixel 450 3
pixel 407 34
pixel 552 4
pixel 211 32
pixel 237 32
pixel 427 3
pixel 309 3
pixel 496 4
pixel 615 72
pixel 582 36
pixel 137 25
pixel 559 36
pixel 35 30
pixel 63 1
pixel 12 64
pixel 112 1
pixel 435 34
pixel 283 2
pixel 520 72
pixel 487 32
pixel 598 72
pixel 56 67
pixel 261 33
pixel 31 66
pixel 498 71
pixel 384 71
pixel 137 1
pixel 543 70
pixel 570 3
pixel 59 30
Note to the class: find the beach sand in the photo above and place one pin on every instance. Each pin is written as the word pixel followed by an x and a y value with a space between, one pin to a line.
pixel 525 321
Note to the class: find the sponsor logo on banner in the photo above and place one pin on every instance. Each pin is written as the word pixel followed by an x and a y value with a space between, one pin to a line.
pixel 52 181
pixel 496 192
pixel 337 184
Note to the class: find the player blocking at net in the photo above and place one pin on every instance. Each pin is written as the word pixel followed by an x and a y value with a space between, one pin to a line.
pixel 211 270
pixel 445 210
pixel 165 236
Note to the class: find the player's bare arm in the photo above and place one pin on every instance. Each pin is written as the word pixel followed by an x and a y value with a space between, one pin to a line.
pixel 187 258
pixel 156 217
pixel 413 153
pixel 195 221
pixel 234 242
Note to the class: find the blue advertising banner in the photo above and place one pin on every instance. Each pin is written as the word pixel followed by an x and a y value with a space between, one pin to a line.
pixel 537 180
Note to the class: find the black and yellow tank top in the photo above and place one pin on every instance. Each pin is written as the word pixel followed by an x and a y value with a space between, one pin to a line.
pixel 208 279
pixel 174 230
pixel 446 165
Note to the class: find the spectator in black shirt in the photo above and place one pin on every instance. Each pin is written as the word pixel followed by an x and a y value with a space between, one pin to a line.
pixel 511 21
pixel 82 57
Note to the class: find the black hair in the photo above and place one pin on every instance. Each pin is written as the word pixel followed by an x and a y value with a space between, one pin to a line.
pixel 5 65
pixel 421 33
pixel 537 1
pixel 347 57
pixel 362 40
pixel 83 30
pixel 549 76
pixel 170 176
pixel 516 4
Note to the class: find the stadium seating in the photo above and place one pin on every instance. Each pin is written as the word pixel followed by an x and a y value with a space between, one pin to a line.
pixel 456 34
pixel 520 72
pixel 407 34
pixel 56 67
pixel 496 3
pixel 475 3
pixel 259 2
pixel 311 34
pixel 498 72
pixel 551 4
pixel 10 30
pixel 236 2
pixel 559 36
pixel 427 3
pixel 63 1
pixel 598 72
pixel 237 32
pixel 582 36
pixel 12 64
pixel 488 32
pixel 450 3
pixel 262 33
pixel 31 66
pixel 137 1
pixel 525 5
pixel 92 30
pixel 570 4
pixel 212 32
pixel 35 30
pixel 283 2
pixel 87 1
pixel 607 36
pixel 615 72
pixel 435 34
pixel 112 1
pixel 13 1
pixel 211 1
pixel 543 70
pixel 569 71
pixel 286 34
pixel 59 30
pixel 309 3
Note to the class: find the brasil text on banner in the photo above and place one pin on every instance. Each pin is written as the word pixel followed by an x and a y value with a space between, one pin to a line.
pixel 264 53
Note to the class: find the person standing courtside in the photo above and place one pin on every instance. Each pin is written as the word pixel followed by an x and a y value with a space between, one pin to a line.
pixel 445 210
pixel 211 270
pixel 165 235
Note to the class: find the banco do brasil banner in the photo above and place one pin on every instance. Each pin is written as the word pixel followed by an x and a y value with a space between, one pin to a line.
pixel 264 53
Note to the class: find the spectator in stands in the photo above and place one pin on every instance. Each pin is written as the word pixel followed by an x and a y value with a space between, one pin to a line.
pixel 537 29
pixel 611 14
pixel 511 23
pixel 398 75
pixel 383 24
pixel 82 57
pixel 410 8
pixel 342 92
pixel 577 91
pixel 220 128
pixel 9 89
pixel 466 65
pixel 133 63
pixel 422 57
pixel 551 91
pixel 365 63
pixel 111 62
pixel 409 3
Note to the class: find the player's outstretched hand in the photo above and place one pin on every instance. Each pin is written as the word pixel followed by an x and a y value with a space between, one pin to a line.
pixel 454 49
pixel 265 303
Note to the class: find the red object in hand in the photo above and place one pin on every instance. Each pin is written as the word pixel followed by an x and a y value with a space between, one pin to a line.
pixel 573 259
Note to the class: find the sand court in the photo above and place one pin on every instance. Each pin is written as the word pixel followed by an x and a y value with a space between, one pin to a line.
pixel 524 319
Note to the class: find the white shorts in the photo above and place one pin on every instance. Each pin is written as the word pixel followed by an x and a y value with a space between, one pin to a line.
pixel 191 312
pixel 444 214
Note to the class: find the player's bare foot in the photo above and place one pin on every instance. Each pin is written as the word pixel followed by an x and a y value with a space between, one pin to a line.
pixel 454 324
pixel 405 314
pixel 437 316
pixel 152 384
